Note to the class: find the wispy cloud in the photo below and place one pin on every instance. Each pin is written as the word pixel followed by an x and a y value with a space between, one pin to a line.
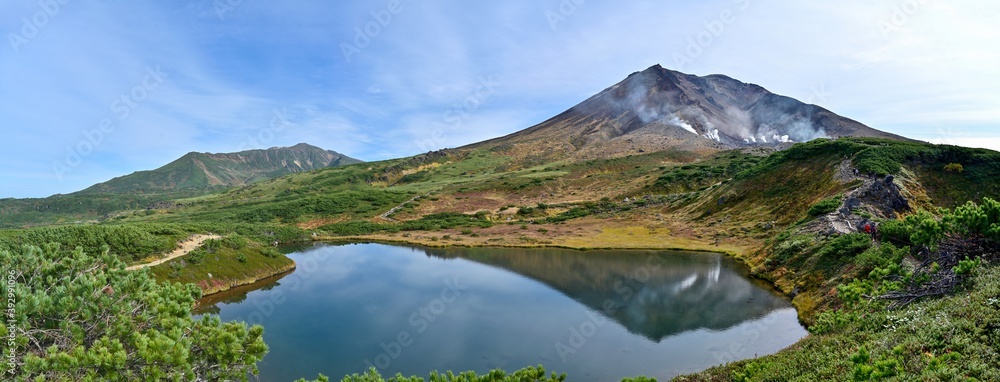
pixel 228 75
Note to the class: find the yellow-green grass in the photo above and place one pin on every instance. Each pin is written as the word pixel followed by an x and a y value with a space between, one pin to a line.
pixel 225 268
pixel 954 338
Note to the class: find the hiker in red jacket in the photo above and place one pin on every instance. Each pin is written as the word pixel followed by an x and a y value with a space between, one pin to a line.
pixel 871 230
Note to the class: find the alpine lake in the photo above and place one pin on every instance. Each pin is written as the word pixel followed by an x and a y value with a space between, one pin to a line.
pixel 598 315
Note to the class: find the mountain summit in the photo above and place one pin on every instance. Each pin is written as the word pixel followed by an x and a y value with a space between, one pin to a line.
pixel 203 170
pixel 658 108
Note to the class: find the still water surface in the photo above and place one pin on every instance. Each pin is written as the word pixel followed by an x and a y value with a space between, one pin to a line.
pixel 595 315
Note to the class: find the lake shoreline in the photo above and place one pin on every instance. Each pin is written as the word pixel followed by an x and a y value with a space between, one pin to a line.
pixel 217 296
pixel 736 255
pixel 225 286
pixel 333 273
pixel 432 244
pixel 731 252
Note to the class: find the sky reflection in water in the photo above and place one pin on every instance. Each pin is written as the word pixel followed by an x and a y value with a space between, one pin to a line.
pixel 596 315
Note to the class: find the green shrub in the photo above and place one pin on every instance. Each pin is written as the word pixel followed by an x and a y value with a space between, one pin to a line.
pixel 896 231
pixel 975 220
pixel 90 319
pixel 825 206
pixel 432 222
pixel 358 228
pixel 966 266
pixel 925 230
pixel 788 247
pixel 881 256
pixel 130 242
pixel 196 256
pixel 887 158
pixel 845 246
pixel 258 215
pixel 573 213
pixel 211 245
pixel 868 369
pixel 832 321
pixel 414 177
pixel 639 379
pixel 234 241
pixel 534 374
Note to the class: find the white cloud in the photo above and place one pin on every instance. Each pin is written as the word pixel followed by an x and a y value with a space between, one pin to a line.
pixel 933 69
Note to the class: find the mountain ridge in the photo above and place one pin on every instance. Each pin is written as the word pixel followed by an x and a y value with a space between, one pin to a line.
pixel 198 170
pixel 658 109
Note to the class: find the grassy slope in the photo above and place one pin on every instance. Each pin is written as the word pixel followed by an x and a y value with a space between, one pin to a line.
pixel 187 177
pixel 471 181
pixel 230 265
pixel 242 256
pixel 951 338
pixel 73 208
pixel 778 192
pixel 938 339
pixel 731 201
pixel 202 170
pixel 735 202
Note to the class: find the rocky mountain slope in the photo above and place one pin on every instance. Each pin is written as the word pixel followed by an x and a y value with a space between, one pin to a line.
pixel 659 109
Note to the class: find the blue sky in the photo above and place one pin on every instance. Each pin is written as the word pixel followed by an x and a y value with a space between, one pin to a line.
pixel 93 91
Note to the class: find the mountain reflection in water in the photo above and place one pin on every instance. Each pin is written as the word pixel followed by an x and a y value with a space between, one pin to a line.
pixel 650 293
pixel 595 315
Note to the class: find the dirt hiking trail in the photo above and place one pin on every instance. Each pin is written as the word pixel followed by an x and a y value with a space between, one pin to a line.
pixel 185 247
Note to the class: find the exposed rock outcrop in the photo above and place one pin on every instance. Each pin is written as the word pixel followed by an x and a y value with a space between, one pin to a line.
pixel 877 198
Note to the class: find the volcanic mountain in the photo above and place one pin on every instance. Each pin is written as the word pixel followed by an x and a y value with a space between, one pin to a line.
pixel 203 170
pixel 658 109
